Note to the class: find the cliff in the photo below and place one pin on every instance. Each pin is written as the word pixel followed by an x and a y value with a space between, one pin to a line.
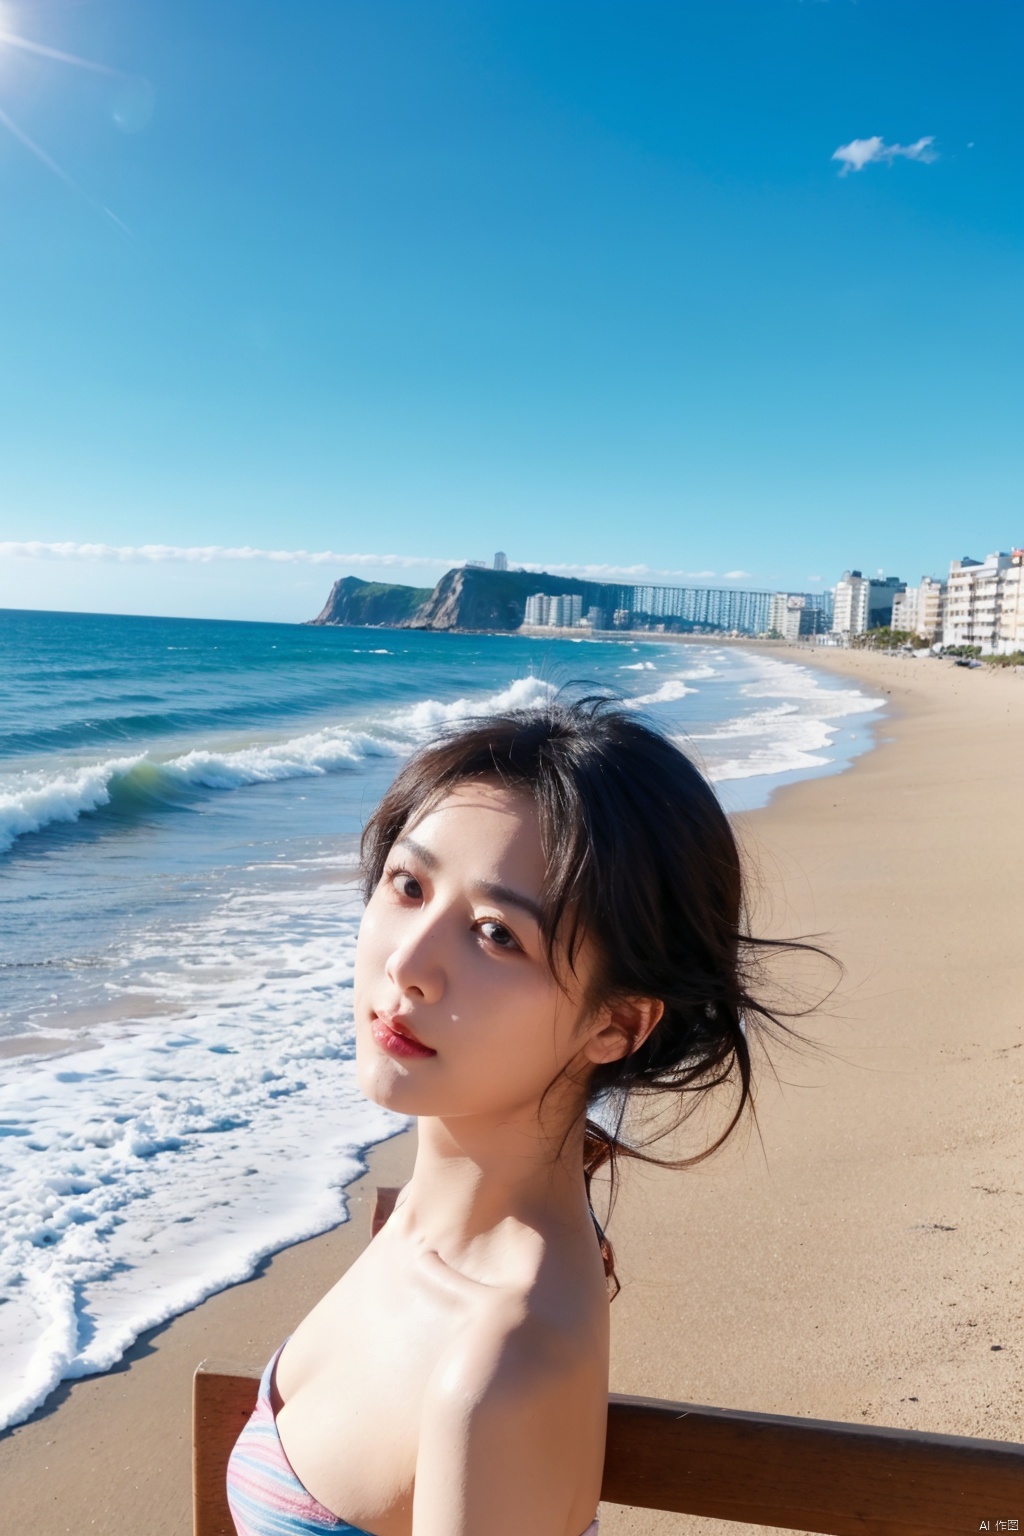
pixel 471 598
pixel 353 601
pixel 468 597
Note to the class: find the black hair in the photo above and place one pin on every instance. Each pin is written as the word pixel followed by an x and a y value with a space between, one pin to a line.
pixel 642 861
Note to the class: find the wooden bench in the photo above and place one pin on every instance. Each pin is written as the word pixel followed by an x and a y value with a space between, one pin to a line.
pixel 764 1469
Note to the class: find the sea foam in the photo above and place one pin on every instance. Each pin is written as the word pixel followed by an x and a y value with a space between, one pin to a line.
pixel 31 800
pixel 790 736
pixel 165 1162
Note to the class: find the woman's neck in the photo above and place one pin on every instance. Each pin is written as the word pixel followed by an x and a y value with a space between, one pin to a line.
pixel 476 1182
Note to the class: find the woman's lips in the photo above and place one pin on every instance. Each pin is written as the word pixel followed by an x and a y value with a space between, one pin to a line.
pixel 391 1037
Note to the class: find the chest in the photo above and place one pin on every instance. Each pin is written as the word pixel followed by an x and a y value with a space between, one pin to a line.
pixel 350 1386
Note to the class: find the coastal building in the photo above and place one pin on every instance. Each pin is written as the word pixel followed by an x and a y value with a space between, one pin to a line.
pixel 713 608
pixel 563 612
pixel 920 609
pixel 569 610
pixel 1011 606
pixel 850 608
pixel 904 611
pixel 863 602
pixel 501 561
pixel 794 615
pixel 974 600
pixel 597 618
pixel 777 613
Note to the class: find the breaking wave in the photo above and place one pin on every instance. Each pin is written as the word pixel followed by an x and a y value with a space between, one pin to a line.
pixel 32 801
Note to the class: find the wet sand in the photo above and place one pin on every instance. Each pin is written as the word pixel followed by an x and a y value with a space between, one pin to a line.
pixel 859 1259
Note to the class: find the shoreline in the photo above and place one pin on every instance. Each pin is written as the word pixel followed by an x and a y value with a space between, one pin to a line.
pixel 859 1267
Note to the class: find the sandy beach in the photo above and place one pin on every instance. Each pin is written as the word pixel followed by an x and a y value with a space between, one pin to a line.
pixel 859 1259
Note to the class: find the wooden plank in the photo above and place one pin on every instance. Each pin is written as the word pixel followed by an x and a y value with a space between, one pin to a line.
pixel 807 1474
pixel 803 1474
pixel 222 1400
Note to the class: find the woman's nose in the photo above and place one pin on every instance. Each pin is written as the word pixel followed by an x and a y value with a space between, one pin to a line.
pixel 414 968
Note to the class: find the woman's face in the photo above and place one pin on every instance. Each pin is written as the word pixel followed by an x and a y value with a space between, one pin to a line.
pixel 450 953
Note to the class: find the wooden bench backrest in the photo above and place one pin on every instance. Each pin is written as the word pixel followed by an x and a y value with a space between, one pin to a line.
pixel 765 1469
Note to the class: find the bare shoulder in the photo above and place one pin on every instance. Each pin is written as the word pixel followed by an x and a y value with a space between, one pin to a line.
pixel 512 1434
pixel 509 1351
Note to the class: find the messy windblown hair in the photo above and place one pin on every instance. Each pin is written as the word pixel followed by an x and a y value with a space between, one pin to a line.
pixel 642 861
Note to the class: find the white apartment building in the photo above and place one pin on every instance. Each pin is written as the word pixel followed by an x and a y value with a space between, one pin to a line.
pixel 863 603
pixel 931 608
pixel 1011 606
pixel 850 607
pixel 563 612
pixel 777 613
pixel 974 601
pixel 920 609
pixel 904 610
pixel 792 616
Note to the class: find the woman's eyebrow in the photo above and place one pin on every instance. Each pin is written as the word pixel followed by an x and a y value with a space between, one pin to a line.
pixel 427 859
pixel 501 893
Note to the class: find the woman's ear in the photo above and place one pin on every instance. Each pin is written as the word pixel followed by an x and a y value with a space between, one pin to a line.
pixel 623 1026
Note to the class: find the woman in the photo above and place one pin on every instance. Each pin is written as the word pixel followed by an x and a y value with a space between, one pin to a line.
pixel 554 918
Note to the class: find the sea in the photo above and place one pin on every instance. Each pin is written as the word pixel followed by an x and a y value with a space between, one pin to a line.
pixel 180 808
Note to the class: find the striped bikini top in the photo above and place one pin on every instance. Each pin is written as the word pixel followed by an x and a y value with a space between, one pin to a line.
pixel 265 1496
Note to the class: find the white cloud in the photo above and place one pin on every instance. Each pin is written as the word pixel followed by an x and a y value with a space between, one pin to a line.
pixel 209 554
pixel 861 152
pixel 205 554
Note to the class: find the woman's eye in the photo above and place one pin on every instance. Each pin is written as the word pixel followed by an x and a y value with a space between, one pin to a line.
pixel 406 885
pixel 498 934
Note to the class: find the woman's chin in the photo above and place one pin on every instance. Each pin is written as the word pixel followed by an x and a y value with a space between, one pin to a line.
pixel 384 1083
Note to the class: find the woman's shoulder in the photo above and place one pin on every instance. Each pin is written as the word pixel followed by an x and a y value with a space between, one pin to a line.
pixel 514 1417
pixel 524 1339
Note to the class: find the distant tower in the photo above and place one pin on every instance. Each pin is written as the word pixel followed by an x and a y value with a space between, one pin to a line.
pixel 501 561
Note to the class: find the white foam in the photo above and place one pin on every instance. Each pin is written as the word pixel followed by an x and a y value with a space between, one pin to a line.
pixel 668 692
pixel 431 714
pixel 788 737
pixel 39 800
pixel 165 1163
pixel 31 800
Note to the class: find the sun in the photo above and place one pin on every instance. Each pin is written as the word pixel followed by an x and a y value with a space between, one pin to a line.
pixel 14 41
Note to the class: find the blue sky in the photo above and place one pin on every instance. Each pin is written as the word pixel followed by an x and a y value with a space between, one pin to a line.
pixel 580 281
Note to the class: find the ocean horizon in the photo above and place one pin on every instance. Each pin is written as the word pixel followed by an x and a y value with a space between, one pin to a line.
pixel 180 808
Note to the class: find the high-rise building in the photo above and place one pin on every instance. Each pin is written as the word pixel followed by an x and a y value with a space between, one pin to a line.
pixel 904 611
pixel 501 561
pixel 563 612
pixel 920 609
pixel 863 603
pixel 931 608
pixel 850 606
pixel 1011 606
pixel 973 601
pixel 777 613
pixel 795 615
pixel 984 603
pixel 536 610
